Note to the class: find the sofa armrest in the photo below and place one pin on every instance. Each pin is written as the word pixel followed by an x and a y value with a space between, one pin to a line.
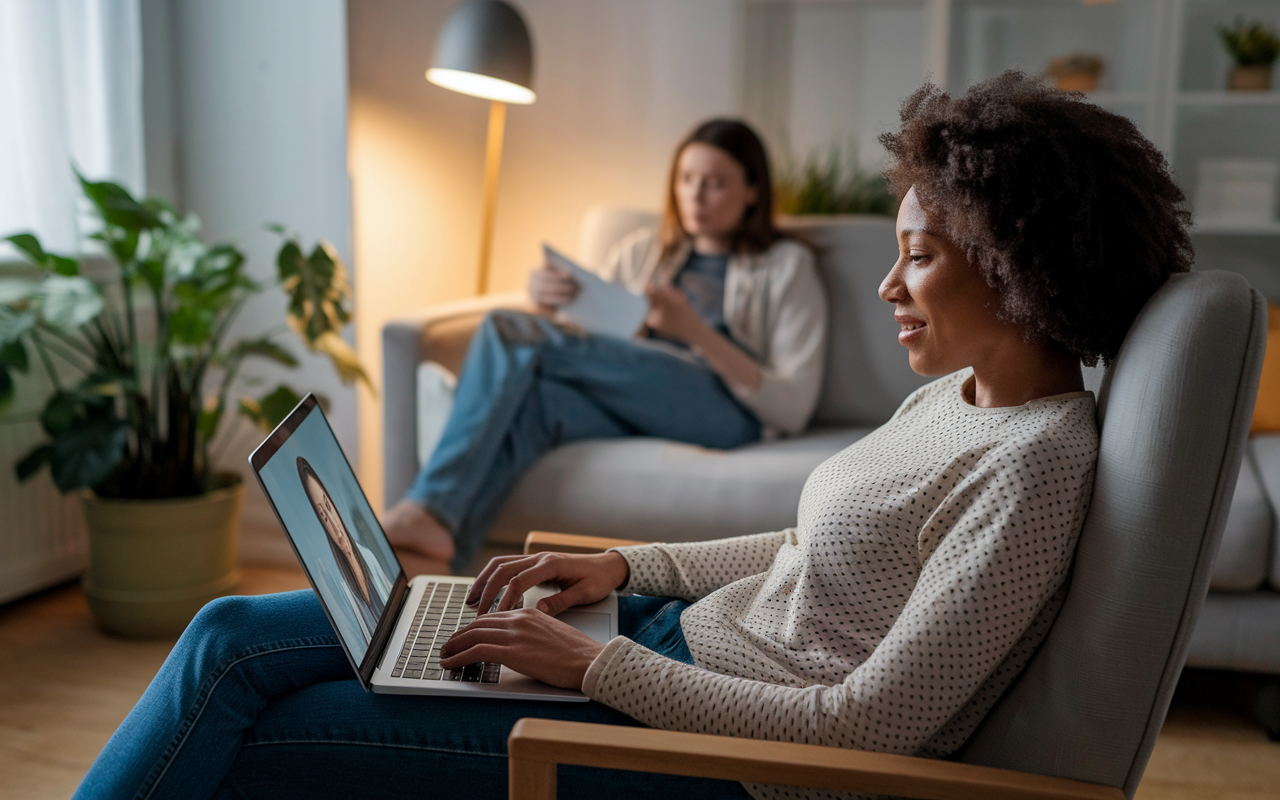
pixel 547 542
pixel 436 333
pixel 536 746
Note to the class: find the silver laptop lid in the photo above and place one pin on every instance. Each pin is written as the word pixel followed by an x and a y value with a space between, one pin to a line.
pixel 334 532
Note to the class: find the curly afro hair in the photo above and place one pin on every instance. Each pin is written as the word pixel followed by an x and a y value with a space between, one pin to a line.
pixel 1067 210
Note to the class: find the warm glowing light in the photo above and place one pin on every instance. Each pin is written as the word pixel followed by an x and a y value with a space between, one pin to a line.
pixel 481 86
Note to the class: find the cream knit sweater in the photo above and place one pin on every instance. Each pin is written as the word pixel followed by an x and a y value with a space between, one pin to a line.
pixel 928 563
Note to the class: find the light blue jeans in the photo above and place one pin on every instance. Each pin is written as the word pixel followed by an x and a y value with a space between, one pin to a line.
pixel 528 385
pixel 257 700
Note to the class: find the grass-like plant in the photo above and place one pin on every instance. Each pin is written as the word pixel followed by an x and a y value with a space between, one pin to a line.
pixel 1250 43
pixel 142 367
pixel 832 183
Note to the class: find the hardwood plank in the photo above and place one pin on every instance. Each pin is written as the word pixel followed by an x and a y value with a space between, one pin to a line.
pixel 65 686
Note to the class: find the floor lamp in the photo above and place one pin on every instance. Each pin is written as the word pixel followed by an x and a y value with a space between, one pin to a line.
pixel 484 50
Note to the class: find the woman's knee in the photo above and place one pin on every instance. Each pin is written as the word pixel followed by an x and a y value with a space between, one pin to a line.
pixel 238 621
pixel 512 328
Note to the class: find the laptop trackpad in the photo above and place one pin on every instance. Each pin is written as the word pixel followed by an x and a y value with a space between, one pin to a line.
pixel 592 623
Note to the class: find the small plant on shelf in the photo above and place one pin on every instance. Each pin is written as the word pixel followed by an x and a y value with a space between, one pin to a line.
pixel 1254 48
pixel 832 183
pixel 142 367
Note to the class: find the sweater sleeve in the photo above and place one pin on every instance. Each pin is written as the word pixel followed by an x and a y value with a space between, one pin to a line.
pixel 1001 552
pixel 791 372
pixel 694 570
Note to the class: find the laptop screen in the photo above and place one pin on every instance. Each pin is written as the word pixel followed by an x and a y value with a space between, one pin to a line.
pixel 333 529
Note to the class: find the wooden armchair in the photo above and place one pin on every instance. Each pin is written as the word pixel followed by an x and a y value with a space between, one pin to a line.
pixel 537 746
pixel 1081 719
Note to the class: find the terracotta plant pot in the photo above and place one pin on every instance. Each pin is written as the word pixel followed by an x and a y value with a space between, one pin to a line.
pixel 1254 78
pixel 1080 82
pixel 154 563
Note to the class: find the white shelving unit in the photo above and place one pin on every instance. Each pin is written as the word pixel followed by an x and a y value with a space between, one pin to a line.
pixel 1165 68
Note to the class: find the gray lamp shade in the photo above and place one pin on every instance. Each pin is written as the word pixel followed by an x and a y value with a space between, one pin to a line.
pixel 484 50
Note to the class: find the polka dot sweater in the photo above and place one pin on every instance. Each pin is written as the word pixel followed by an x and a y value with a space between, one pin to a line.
pixel 928 563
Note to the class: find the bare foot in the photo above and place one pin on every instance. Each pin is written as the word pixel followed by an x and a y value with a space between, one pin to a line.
pixel 418 538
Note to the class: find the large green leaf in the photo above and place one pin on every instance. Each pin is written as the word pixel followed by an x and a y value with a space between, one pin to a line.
pixel 61 413
pixel 318 295
pixel 264 348
pixel 30 245
pixel 88 453
pixel 14 354
pixel 7 388
pixel 31 463
pixel 117 207
pixel 270 410
pixel 68 302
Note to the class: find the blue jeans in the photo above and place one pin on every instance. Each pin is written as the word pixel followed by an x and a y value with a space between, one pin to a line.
pixel 528 385
pixel 257 699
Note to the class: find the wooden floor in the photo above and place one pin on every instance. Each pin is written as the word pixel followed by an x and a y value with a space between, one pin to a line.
pixel 64 686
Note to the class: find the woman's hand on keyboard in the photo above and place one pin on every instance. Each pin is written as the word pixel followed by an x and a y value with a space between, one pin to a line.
pixel 584 578
pixel 529 642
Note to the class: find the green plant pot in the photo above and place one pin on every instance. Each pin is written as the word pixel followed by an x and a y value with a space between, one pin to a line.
pixel 154 563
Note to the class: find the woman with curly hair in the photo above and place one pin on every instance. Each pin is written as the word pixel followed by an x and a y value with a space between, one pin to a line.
pixel 928 562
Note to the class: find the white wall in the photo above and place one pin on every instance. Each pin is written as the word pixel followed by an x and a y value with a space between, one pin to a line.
pixel 824 74
pixel 618 83
pixel 247 124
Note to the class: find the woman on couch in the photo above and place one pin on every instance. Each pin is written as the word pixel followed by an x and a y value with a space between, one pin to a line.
pixel 742 320
pixel 927 564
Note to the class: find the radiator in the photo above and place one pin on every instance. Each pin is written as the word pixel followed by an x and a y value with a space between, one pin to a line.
pixel 42 537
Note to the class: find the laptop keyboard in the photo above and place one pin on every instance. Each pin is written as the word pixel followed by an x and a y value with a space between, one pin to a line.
pixel 441 612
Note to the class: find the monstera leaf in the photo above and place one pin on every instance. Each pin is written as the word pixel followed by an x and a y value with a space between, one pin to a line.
pixel 318 292
pixel 270 410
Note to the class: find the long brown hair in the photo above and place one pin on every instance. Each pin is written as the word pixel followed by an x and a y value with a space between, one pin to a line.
pixel 756 232
pixel 305 473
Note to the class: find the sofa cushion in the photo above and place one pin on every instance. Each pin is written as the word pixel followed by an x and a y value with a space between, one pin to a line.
pixel 1265 449
pixel 868 375
pixel 633 488
pixel 1241 564
pixel 1237 630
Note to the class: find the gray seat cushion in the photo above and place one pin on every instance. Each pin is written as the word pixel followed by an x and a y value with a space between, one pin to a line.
pixel 634 488
pixel 1265 448
pixel 1241 565
pixel 1237 630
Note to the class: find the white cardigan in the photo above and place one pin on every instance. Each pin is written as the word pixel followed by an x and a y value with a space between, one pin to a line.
pixel 774 306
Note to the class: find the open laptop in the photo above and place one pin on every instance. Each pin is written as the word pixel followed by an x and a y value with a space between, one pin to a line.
pixel 391 627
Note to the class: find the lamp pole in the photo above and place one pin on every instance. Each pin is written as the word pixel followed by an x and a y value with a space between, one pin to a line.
pixel 492 165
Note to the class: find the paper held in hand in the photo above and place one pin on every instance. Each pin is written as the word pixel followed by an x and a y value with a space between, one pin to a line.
pixel 600 307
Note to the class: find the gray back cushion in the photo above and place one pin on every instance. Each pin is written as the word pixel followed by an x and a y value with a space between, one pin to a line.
pixel 1174 412
pixel 867 374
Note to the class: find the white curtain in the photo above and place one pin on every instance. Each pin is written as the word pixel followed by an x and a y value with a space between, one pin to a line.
pixel 70 93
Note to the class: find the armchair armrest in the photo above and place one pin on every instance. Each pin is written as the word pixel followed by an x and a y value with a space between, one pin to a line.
pixel 537 746
pixel 547 542
pixel 436 333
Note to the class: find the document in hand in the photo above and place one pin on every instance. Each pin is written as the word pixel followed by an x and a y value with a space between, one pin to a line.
pixel 601 306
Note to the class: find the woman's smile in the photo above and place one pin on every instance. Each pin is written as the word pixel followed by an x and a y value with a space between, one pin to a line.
pixel 913 329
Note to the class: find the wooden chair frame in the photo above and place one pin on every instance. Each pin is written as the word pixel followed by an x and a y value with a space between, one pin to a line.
pixel 537 746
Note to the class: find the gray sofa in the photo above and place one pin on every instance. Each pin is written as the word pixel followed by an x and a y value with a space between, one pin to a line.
pixel 658 490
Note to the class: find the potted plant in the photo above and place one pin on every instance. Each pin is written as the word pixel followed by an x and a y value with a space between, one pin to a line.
pixel 1078 72
pixel 143 370
pixel 833 183
pixel 1254 48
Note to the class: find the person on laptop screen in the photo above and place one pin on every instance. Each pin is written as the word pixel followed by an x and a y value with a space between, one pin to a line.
pixel 927 564
pixel 730 364
pixel 361 579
